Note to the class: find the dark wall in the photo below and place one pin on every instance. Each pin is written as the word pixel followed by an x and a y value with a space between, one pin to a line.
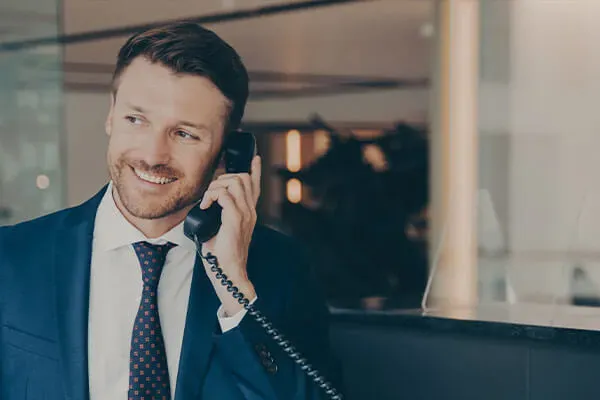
pixel 398 363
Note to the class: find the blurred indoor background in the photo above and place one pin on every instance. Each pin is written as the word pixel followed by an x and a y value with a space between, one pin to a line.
pixel 426 155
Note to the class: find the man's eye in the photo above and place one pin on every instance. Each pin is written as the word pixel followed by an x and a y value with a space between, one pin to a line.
pixel 133 120
pixel 185 135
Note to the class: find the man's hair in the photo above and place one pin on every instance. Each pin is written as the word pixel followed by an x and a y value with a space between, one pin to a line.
pixel 188 48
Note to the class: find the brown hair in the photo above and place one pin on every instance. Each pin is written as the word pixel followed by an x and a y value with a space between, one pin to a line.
pixel 188 48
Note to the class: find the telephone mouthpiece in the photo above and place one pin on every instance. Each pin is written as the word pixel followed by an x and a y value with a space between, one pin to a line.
pixel 201 225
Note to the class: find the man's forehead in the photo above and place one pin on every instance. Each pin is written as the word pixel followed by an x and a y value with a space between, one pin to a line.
pixel 144 74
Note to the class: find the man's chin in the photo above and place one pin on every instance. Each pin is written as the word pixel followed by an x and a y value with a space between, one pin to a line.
pixel 151 207
pixel 152 211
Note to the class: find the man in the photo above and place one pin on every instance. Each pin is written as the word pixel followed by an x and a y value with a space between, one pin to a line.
pixel 107 300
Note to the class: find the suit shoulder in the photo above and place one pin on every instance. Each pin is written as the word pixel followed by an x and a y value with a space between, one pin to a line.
pixel 44 225
pixel 278 255
pixel 32 228
pixel 22 247
pixel 274 241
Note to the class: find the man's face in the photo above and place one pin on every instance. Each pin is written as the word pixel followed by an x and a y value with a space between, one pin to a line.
pixel 165 132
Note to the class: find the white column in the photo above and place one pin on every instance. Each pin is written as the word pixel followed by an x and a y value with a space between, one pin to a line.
pixel 454 156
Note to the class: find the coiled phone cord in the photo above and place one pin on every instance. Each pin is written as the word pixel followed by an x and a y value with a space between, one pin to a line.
pixel 268 327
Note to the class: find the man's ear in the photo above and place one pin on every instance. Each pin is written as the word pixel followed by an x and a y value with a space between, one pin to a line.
pixel 108 122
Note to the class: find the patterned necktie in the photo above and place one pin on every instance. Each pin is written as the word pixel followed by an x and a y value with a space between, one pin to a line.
pixel 148 371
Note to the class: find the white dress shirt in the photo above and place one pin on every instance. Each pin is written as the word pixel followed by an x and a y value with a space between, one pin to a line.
pixel 115 292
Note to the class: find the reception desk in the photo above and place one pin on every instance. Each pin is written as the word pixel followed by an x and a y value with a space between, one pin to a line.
pixel 519 352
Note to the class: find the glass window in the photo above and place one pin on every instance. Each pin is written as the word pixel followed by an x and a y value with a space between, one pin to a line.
pixel 535 196
pixel 31 104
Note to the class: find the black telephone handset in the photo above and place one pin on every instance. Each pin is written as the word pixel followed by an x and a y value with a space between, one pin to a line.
pixel 239 149
pixel 201 225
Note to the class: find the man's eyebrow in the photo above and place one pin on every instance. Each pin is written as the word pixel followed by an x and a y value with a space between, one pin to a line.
pixel 136 108
pixel 194 125
pixel 198 126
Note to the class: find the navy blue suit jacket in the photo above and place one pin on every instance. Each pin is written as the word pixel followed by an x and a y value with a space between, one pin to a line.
pixel 44 292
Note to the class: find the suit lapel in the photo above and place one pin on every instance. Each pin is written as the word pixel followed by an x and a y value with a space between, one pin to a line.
pixel 201 322
pixel 72 260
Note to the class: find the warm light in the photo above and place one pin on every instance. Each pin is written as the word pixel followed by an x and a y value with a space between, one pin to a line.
pixel 372 154
pixel 42 182
pixel 294 190
pixel 321 142
pixel 292 151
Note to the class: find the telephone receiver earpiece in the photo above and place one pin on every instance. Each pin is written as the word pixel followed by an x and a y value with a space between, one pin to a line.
pixel 239 150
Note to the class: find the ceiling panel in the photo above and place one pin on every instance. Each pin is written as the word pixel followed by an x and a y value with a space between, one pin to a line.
pixel 90 15
pixel 377 39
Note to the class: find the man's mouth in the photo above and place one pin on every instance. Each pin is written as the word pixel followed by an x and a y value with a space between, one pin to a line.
pixel 159 180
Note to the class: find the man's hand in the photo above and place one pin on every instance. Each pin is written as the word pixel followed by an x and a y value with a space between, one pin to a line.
pixel 237 194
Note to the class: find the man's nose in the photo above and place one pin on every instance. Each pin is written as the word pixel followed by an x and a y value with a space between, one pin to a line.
pixel 156 150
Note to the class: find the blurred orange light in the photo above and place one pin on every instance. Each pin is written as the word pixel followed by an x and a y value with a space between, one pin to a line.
pixel 294 191
pixel 293 151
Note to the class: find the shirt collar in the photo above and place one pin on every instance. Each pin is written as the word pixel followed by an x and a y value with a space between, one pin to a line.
pixel 112 230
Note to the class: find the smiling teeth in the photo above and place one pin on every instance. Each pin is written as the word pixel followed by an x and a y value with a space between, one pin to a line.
pixel 152 178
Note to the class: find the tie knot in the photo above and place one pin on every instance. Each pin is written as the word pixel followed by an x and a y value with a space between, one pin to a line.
pixel 152 259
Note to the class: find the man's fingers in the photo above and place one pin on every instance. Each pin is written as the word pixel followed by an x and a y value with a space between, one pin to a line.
pixel 225 199
pixel 255 175
pixel 242 188
pixel 235 181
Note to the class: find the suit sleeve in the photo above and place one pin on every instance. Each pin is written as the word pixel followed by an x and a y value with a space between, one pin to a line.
pixel 260 367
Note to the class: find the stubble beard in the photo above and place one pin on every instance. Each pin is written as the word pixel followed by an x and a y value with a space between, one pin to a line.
pixel 145 207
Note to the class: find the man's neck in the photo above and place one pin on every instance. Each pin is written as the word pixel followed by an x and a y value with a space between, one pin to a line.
pixel 154 228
